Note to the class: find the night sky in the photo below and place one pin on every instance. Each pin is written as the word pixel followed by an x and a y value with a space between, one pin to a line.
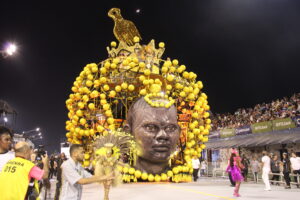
pixel 245 51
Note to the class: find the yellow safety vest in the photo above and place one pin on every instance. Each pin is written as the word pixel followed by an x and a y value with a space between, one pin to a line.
pixel 14 179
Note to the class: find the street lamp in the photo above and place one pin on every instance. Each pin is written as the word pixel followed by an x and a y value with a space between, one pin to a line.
pixel 30 131
pixel 9 50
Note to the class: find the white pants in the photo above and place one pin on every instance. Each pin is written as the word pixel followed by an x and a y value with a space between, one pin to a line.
pixel 265 178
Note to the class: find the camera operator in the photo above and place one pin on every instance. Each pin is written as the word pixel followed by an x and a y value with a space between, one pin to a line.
pixel 17 173
pixel 44 184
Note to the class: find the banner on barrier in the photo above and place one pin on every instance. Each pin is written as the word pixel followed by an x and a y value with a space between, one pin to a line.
pixel 228 132
pixel 261 127
pixel 214 134
pixel 280 124
pixel 244 130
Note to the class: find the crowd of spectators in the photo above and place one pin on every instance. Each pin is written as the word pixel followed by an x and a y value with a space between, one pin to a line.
pixel 280 108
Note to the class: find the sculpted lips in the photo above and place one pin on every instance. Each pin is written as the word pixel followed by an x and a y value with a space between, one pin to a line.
pixel 161 147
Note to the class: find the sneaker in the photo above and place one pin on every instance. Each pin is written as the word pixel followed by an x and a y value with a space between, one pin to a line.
pixel 267 189
pixel 236 195
pixel 287 187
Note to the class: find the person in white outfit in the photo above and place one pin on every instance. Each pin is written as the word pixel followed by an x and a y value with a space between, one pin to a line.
pixel 266 168
pixel 295 164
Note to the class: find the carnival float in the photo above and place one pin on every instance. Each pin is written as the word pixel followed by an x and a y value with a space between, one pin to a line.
pixel 103 93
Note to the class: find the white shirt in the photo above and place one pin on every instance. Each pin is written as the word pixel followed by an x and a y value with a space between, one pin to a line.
pixel 71 173
pixel 267 162
pixel 195 163
pixel 5 157
pixel 295 163
pixel 203 165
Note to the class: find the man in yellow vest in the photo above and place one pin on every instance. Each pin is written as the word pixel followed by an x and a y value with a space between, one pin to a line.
pixel 16 173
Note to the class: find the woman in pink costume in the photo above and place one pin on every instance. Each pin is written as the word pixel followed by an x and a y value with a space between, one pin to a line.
pixel 235 166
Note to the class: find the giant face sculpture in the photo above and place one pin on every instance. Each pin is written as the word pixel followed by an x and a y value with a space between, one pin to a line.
pixel 156 132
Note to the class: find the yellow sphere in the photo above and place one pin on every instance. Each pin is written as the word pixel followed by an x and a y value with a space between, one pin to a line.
pixel 103 70
pixel 161 45
pixel 182 94
pixel 144 176
pixel 142 78
pixel 118 88
pixel 102 96
pixel 131 87
pixel 113 44
pixel 150 177
pixel 138 174
pixel 147 72
pixel 82 121
pixel 125 170
pixel 157 178
pixel 124 86
pixel 79 113
pixel 170 78
pixel 108 113
pixel 112 94
pixel 164 177
pixel 175 62
pixel 164 69
pixel 143 92
pixel 103 80
pixel 169 87
pixel 142 64
pixel 131 171
pixel 88 83
pixel 170 173
pixel 86 156
pixel 106 87
pixel 100 128
pixel 106 106
pixel 91 106
pixel 136 39
pixel 155 88
pixel 110 120
pixel 80 105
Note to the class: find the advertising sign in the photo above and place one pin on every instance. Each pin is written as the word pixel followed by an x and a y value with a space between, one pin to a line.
pixel 261 127
pixel 280 124
pixel 228 132
pixel 243 130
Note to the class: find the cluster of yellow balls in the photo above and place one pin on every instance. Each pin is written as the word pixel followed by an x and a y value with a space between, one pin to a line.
pixel 99 86
pixel 177 174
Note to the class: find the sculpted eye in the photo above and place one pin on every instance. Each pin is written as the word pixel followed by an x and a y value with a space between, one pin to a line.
pixel 151 128
pixel 171 128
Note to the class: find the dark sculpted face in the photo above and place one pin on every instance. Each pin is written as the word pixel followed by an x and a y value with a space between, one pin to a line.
pixel 156 132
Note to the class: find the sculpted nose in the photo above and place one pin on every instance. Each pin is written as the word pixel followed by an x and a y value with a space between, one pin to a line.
pixel 162 135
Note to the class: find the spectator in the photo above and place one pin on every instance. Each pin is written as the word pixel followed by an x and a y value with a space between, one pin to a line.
pixel 287 107
pixel 286 170
pixel 5 146
pixel 16 174
pixel 203 167
pixel 275 168
pixel 60 161
pixel 74 175
pixel 245 163
pixel 196 166
pixel 255 168
pixel 266 168
pixel 295 162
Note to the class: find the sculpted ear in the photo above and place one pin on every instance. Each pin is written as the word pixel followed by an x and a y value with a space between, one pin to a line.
pixel 127 128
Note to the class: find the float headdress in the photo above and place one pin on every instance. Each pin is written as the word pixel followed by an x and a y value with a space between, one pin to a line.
pixel 103 93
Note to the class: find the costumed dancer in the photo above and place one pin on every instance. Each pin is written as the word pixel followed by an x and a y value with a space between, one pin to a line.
pixel 235 166
pixel 107 153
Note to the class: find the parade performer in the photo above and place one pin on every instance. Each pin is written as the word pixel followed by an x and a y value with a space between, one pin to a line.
pixel 107 153
pixel 135 90
pixel 235 166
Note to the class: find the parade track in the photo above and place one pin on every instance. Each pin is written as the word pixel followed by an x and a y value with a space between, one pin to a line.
pixel 204 189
